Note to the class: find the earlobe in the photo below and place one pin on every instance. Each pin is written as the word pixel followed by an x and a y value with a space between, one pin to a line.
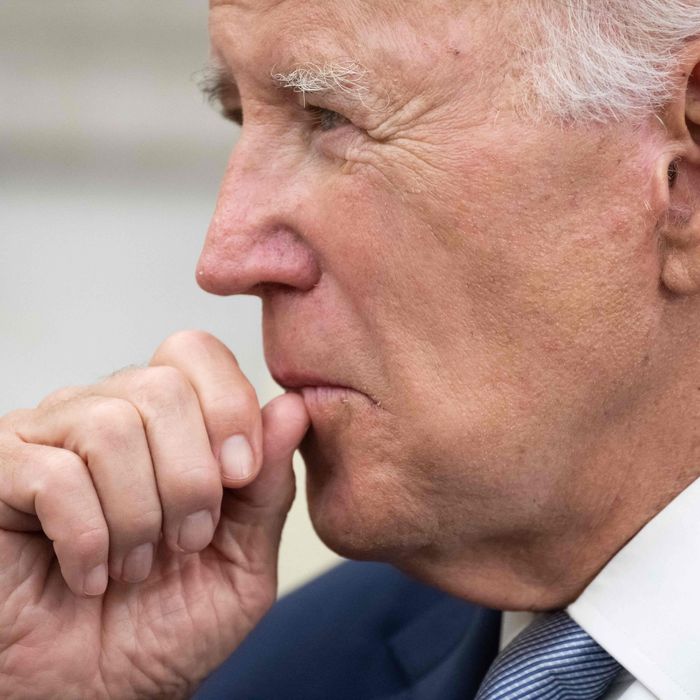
pixel 680 231
pixel 681 264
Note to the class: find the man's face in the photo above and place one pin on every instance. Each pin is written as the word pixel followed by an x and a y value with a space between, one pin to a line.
pixel 482 286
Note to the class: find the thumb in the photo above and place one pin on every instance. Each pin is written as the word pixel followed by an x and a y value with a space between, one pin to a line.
pixel 285 422
pixel 264 504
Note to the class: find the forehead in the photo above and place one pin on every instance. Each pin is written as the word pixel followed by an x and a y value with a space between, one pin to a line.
pixel 386 8
pixel 384 35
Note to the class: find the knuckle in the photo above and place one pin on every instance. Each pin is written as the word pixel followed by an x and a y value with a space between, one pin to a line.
pixel 9 421
pixel 200 485
pixel 162 387
pixel 146 525
pixel 241 402
pixel 188 337
pixel 59 466
pixel 109 424
pixel 56 398
pixel 111 418
pixel 183 343
pixel 89 541
pixel 58 474
pixel 123 373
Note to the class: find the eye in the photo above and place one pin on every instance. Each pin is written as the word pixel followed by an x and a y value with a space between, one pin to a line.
pixel 326 119
pixel 234 115
pixel 673 173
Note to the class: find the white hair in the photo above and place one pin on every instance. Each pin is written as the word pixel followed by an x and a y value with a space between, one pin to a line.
pixel 603 60
pixel 342 76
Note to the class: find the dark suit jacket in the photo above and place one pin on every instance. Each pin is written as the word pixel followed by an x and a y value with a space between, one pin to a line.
pixel 362 632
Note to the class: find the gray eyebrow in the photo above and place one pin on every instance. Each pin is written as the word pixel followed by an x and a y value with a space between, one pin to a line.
pixel 345 77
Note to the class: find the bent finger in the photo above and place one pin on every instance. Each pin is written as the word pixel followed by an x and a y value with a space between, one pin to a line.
pixel 228 401
pixel 186 472
pixel 55 486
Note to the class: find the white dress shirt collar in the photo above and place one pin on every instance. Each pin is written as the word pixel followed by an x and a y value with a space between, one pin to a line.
pixel 644 606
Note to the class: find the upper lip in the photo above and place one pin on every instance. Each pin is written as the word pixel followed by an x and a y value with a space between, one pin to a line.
pixel 296 379
pixel 291 374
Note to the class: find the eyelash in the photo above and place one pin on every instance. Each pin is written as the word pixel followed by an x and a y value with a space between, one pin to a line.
pixel 325 119
pixel 233 115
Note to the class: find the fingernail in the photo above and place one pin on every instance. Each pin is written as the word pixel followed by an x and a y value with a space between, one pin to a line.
pixel 137 563
pixel 237 459
pixel 95 581
pixel 196 531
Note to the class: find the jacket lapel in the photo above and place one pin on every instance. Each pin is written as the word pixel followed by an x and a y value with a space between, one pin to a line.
pixel 446 652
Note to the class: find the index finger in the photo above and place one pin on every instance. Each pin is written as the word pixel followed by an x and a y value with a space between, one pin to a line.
pixel 228 400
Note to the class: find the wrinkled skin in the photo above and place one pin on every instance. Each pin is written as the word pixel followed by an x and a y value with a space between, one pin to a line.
pixel 491 326
pixel 161 636
pixel 495 286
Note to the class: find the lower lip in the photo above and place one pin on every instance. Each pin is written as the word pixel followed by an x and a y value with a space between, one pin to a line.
pixel 333 398
pixel 328 394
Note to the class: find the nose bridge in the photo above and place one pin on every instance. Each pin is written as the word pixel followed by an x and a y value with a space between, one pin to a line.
pixel 248 182
pixel 254 238
pixel 239 205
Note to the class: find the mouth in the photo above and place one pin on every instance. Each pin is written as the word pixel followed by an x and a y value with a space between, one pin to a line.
pixel 317 390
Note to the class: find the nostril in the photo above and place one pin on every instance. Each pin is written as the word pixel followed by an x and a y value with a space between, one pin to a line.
pixel 235 263
pixel 267 289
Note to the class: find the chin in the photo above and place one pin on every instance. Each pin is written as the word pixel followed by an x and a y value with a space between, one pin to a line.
pixel 358 501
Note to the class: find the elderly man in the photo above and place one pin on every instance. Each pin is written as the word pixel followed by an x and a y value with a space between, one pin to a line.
pixel 475 230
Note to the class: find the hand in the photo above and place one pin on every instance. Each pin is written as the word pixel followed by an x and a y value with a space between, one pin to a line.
pixel 137 477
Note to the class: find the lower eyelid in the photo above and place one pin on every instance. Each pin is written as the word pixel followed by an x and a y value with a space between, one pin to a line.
pixel 342 144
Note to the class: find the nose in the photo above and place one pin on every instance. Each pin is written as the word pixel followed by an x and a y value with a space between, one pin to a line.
pixel 254 239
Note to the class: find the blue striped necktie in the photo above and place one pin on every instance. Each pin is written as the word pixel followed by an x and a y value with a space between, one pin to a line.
pixel 552 659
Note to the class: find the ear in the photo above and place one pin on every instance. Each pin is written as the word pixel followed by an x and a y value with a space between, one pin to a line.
pixel 678 181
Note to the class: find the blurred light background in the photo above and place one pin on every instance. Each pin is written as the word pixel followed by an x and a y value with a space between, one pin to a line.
pixel 109 167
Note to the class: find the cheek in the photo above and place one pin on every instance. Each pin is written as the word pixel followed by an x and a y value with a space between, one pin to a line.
pixel 520 290
pixel 563 299
pixel 378 251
